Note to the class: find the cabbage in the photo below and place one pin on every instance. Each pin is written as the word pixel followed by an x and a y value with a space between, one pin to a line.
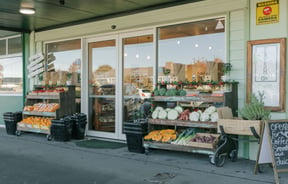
pixel 194 116
pixel 155 114
pixel 210 110
pixel 162 114
pixel 173 114
pixel 204 116
pixel 214 117
pixel 159 108
pixel 179 108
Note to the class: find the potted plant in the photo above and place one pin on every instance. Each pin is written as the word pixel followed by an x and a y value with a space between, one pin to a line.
pixel 255 110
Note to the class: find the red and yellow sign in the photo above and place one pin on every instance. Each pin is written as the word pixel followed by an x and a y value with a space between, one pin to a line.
pixel 267 12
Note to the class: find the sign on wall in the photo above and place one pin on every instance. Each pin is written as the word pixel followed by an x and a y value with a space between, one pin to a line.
pixel 267 12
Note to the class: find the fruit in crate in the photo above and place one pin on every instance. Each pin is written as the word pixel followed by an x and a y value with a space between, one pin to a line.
pixel 42 107
pixel 164 136
pixel 36 122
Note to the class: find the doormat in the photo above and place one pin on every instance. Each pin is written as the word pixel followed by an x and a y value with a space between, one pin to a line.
pixel 99 144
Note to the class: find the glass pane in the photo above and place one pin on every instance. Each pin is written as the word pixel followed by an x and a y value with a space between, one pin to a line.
pixel 14 45
pixel 192 51
pixel 64 66
pixel 11 78
pixel 2 47
pixel 137 75
pixel 102 65
pixel 64 58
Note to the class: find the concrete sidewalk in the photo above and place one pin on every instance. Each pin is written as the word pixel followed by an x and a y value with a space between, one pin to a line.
pixel 31 159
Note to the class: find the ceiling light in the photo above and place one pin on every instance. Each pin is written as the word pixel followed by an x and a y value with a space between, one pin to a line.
pixel 27 11
pixel 219 25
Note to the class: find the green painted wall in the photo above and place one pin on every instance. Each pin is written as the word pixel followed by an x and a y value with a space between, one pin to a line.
pixel 268 31
pixel 10 104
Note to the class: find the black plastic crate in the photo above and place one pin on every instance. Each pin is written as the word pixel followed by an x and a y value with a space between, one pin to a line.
pixel 11 127
pixel 61 129
pixel 135 142
pixel 136 126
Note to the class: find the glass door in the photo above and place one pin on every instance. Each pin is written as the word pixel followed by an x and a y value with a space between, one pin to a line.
pixel 102 64
pixel 137 75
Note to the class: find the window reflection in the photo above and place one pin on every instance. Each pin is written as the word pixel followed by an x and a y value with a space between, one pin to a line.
pixel 11 67
pixel 63 63
pixel 192 51
pixel 137 74
pixel 11 75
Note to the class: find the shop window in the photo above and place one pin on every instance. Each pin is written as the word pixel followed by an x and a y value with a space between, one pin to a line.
pixel 63 66
pixel 2 47
pixel 63 63
pixel 192 51
pixel 11 68
pixel 14 45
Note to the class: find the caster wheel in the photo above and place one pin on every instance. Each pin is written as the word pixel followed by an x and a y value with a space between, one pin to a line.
pixel 49 137
pixel 18 133
pixel 146 151
pixel 233 155
pixel 212 159
pixel 220 160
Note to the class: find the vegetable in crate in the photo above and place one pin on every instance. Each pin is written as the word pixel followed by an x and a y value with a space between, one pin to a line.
pixel 184 115
pixel 172 114
pixel 194 116
pixel 162 91
pixel 162 114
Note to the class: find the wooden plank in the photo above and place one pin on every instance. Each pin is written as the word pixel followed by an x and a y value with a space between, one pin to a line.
pixel 200 124
pixel 239 126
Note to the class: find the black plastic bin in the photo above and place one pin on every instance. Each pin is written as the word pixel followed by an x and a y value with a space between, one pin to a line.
pixel 79 122
pixel 11 119
pixel 61 129
pixel 135 131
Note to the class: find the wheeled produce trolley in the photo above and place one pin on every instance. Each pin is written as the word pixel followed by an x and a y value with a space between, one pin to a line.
pixel 42 106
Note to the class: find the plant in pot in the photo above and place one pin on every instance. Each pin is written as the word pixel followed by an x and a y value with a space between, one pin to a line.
pixel 255 109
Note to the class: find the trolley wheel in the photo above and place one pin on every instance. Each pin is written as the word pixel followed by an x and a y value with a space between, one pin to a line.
pixel 233 155
pixel 146 150
pixel 18 133
pixel 49 137
pixel 220 160
pixel 212 159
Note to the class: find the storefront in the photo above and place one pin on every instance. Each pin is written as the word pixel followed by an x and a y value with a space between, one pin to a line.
pixel 112 60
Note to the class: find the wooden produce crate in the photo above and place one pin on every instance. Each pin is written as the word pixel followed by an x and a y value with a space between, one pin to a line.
pixel 239 126
pixel 205 145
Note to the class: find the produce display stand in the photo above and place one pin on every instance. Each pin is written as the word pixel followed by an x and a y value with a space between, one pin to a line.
pixel 194 147
pixel 63 98
pixel 198 101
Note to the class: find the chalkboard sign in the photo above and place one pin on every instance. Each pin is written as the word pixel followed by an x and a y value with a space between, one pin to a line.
pixel 279 141
pixel 274 146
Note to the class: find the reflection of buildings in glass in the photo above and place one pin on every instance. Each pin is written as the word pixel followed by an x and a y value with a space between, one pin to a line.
pixel 13 84
pixel 104 74
pixel 74 69
pixel 192 72
pixel 142 77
